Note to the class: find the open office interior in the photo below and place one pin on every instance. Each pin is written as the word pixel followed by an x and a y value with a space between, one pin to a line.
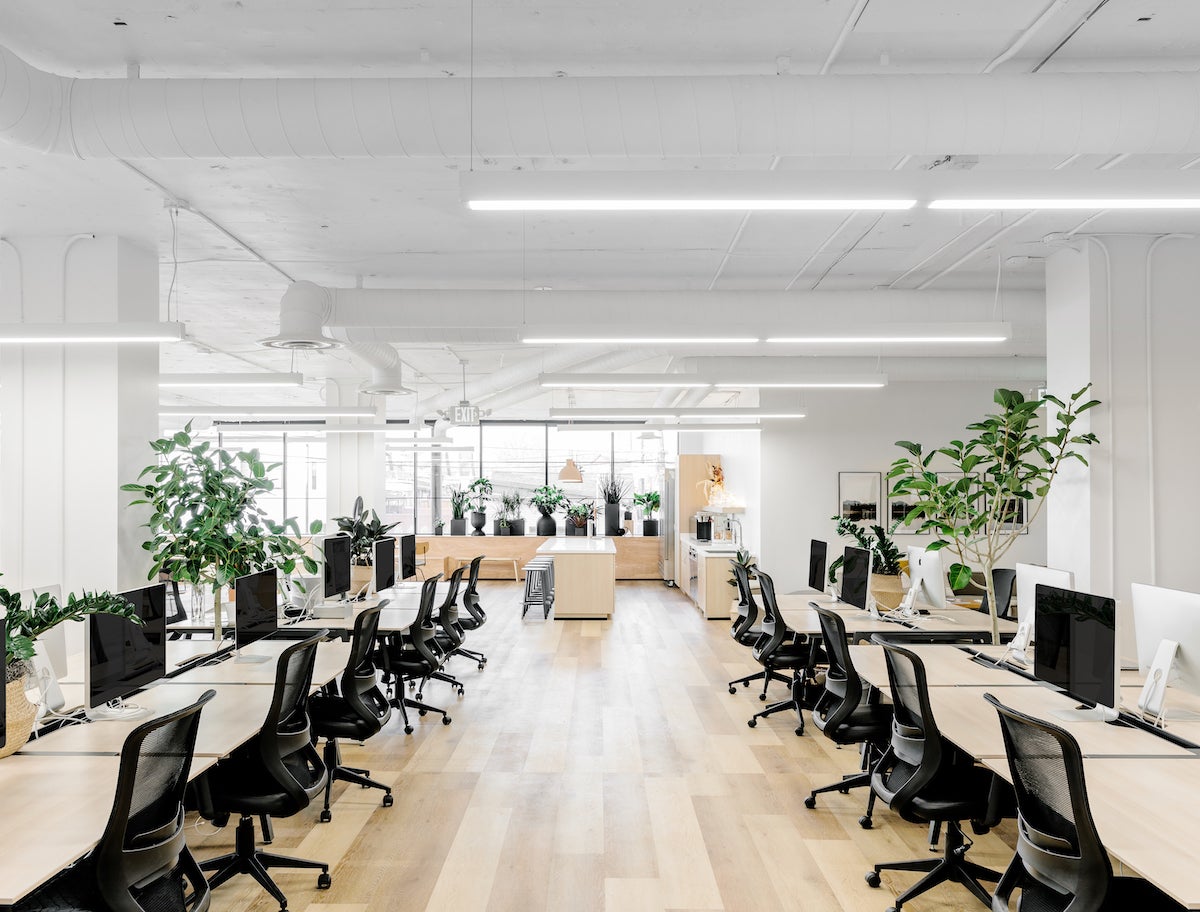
pixel 658 309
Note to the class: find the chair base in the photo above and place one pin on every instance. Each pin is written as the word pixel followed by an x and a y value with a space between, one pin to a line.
pixel 477 657
pixel 759 675
pixel 861 779
pixel 246 858
pixel 953 866
pixel 779 707
pixel 402 703
pixel 340 773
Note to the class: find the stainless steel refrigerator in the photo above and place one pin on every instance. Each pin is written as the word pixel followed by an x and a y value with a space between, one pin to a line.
pixel 666 528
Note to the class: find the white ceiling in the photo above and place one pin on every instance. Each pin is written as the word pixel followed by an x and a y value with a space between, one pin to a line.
pixel 401 223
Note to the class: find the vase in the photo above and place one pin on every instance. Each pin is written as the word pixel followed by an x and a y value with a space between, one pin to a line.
pixel 501 528
pixel 478 521
pixel 573 529
pixel 458 527
pixel 546 524
pixel 437 530
pixel 202 600
pixel 650 527
pixel 887 591
pixel 516 526
pixel 612 519
pixel 19 716
pixel 360 578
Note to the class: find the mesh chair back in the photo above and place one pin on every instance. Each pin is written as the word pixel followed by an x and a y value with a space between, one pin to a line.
pixel 916 742
pixel 774 629
pixel 842 682
pixel 448 614
pixel 1003 581
pixel 179 614
pixel 747 609
pixel 360 684
pixel 1057 842
pixel 144 837
pixel 471 595
pixel 285 741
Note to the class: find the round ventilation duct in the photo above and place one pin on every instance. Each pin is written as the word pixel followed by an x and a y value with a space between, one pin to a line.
pixel 386 383
pixel 303 311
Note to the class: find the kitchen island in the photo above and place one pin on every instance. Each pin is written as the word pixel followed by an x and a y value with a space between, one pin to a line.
pixel 584 576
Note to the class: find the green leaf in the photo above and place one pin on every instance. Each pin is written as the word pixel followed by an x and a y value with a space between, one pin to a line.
pixel 960 576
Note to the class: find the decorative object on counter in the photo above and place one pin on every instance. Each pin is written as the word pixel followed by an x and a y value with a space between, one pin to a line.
pixel 1007 460
pixel 459 501
pixel 570 473
pixel 714 487
pixel 578 515
pixel 613 490
pixel 439 526
pixel 510 521
pixel 364 528
pixel 547 499
pixel 886 587
pixel 206 526
pixel 24 624
pixel 480 491
pixel 859 497
pixel 649 503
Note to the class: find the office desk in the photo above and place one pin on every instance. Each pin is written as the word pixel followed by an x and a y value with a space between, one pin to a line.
pixel 392 619
pixel 945 666
pixel 330 663
pixel 961 622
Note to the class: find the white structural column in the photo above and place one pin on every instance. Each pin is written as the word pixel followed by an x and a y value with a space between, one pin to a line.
pixel 1122 313
pixel 356 461
pixel 75 420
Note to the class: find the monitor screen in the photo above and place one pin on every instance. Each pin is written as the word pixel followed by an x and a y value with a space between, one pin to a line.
pixel 336 549
pixel 256 606
pixel 385 564
pixel 856 575
pixel 816 565
pixel 1075 644
pixel 408 556
pixel 124 656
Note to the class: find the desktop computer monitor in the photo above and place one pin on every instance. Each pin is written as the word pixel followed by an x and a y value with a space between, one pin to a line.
pixel 856 576
pixel 123 656
pixel 817 554
pixel 256 607
pixel 408 556
pixel 335 562
pixel 1168 614
pixel 1029 577
pixel 1075 644
pixel 927 576
pixel 385 564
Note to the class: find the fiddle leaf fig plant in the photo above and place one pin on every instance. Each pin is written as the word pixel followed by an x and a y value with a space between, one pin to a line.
pixel 364 528
pixel 1004 473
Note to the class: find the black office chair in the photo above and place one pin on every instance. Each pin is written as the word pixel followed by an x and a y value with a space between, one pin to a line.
pixel 142 862
pixel 1060 864
pixel 414 656
pixel 747 631
pixel 846 714
pixel 356 713
pixel 1003 581
pixel 778 650
pixel 449 636
pixel 925 779
pixel 277 773
pixel 476 616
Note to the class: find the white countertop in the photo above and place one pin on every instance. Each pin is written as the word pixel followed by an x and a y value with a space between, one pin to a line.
pixel 578 544
pixel 709 547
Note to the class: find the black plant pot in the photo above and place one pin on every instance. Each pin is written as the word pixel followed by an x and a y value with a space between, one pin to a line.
pixel 437 530
pixel 612 519
pixel 546 524
pixel 478 521
pixel 573 529
pixel 499 528
pixel 650 527
pixel 516 527
pixel 458 527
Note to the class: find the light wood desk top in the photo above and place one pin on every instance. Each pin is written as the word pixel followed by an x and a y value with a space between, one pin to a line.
pixel 391 619
pixel 945 666
pixel 801 617
pixel 330 663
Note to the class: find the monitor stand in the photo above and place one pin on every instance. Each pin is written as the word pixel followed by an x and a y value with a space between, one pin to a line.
pixel 1097 713
pixel 117 711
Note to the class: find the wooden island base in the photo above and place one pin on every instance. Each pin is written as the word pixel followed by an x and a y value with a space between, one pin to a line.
pixel 637 556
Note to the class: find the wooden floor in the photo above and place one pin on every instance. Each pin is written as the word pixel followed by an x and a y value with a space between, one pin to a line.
pixel 597 766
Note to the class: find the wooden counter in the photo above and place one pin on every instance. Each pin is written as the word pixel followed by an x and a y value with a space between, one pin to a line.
pixel 636 556
pixel 584 577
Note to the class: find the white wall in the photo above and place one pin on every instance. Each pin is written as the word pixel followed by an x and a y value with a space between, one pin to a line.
pixel 855 431
pixel 741 460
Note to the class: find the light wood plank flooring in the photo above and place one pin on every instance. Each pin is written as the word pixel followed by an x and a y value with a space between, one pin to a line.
pixel 597 767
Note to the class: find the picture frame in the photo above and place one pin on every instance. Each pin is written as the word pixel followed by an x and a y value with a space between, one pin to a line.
pixel 860 497
pixel 1013 516
pixel 898 508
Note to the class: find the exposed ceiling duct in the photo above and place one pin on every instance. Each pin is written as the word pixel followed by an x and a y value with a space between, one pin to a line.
pixel 598 117
pixel 387 371
pixel 303 312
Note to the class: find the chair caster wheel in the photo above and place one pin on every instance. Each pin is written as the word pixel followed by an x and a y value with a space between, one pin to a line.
pixel 865 822
pixel 420 696
pixel 746 684
pixel 324 881
pixel 387 800
pixel 420 712
pixel 762 698
pixel 445 720
pixel 872 879
pixel 753 723
pixel 408 729
pixel 461 691
pixel 732 689
pixel 325 817
pixel 481 664
pixel 799 732
pixel 810 802
pixel 844 791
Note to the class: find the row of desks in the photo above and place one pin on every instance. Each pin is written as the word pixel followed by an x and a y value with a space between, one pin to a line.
pixel 1144 790
pixel 961 623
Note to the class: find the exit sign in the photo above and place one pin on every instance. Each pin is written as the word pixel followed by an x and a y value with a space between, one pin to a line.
pixel 465 414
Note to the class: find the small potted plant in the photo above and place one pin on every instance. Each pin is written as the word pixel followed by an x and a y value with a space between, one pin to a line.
pixel 613 490
pixel 886 587
pixel 510 521
pixel 578 515
pixel 364 528
pixel 459 501
pixel 547 499
pixel 649 502
pixel 438 526
pixel 480 490
pixel 25 623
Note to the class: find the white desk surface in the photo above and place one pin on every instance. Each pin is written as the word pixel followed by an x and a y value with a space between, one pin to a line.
pixel 804 619
pixel 945 666
pixel 330 663
pixel 577 544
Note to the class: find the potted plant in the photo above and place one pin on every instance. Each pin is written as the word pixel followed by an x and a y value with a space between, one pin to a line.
pixel 438 526
pixel 742 558
pixel 649 502
pixel 480 490
pixel 547 499
pixel 364 528
pixel 459 501
pixel 577 518
pixel 510 521
pixel 25 623
pixel 886 587
pixel 977 514
pixel 613 490
pixel 206 526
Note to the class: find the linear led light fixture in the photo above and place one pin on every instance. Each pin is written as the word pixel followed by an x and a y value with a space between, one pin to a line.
pixel 264 411
pixel 906 333
pixel 593 426
pixel 830 381
pixel 688 205
pixel 82 333
pixel 633 414
pixel 190 381
pixel 1030 203
pixel 637 340
pixel 623 381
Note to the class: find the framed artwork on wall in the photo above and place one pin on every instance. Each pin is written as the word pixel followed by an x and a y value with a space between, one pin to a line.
pixel 1012 516
pixel 860 496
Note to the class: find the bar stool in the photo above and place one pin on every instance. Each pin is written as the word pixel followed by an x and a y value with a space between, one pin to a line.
pixel 539 585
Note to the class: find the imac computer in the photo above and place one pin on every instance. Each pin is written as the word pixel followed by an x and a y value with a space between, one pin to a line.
pixel 256 612
pixel 385 563
pixel 335 577
pixel 928 580
pixel 1166 618
pixel 1029 577
pixel 1075 649
pixel 124 657
pixel 856 576
pixel 408 556
pixel 818 553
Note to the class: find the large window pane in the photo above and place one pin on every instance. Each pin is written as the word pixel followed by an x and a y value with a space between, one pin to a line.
pixel 514 459
pixel 306 486
pixel 592 452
